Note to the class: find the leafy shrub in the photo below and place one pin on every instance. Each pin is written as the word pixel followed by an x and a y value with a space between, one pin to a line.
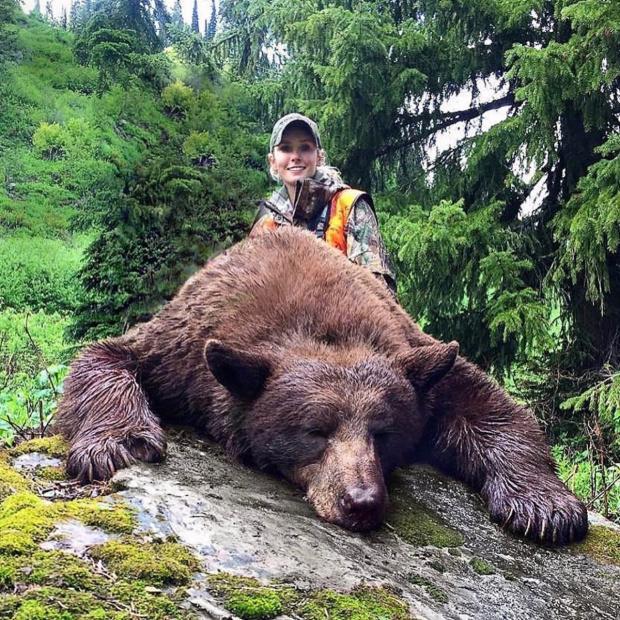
pixel 596 484
pixel 31 341
pixel 178 99
pixel 31 405
pixel 39 274
pixel 33 362
pixel 198 144
pixel 49 140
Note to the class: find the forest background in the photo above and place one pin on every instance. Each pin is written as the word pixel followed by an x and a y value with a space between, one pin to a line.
pixel 132 147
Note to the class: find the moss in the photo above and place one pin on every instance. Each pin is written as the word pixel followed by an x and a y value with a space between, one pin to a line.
pixel 49 568
pixel 26 519
pixel 51 473
pixel 434 591
pixel 437 565
pixel 116 517
pixel 155 563
pixel 55 568
pixel 10 480
pixel 255 606
pixel 602 543
pixel 9 604
pixel 69 601
pixel 419 526
pixel 52 446
pixel 103 614
pixel 151 605
pixel 482 567
pixel 18 502
pixel 363 603
pixel 455 552
pixel 247 598
pixel 7 575
pixel 33 610
pixel 117 601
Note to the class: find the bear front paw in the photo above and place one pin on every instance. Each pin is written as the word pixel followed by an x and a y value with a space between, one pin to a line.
pixel 93 458
pixel 552 516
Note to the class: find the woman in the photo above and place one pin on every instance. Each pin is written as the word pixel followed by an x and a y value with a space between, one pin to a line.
pixel 314 196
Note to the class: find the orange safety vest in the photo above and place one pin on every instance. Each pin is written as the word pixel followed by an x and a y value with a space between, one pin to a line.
pixel 337 217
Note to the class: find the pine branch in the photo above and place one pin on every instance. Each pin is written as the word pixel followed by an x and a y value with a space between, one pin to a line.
pixel 443 121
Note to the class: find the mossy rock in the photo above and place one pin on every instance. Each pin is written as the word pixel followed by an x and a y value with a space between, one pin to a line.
pixel 26 520
pixel 247 598
pixel 602 543
pixel 362 603
pixel 51 473
pixel 52 446
pixel 482 567
pixel 419 526
pixel 434 591
pixel 113 517
pixel 156 563
pixel 10 480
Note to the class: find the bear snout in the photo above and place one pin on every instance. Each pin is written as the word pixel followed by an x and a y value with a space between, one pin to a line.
pixel 363 506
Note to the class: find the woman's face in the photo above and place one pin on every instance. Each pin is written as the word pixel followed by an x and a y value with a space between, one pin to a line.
pixel 295 158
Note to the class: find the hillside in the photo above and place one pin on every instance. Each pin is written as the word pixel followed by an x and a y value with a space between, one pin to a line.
pixel 75 159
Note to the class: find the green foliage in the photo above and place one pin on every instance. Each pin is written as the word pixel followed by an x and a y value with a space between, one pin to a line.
pixel 48 140
pixel 178 99
pixel 120 53
pixel 587 230
pixel 198 144
pixel 603 401
pixel 33 363
pixel 39 274
pixel 461 276
pixel 595 483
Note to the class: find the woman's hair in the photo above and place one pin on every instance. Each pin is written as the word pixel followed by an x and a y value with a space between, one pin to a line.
pixel 331 172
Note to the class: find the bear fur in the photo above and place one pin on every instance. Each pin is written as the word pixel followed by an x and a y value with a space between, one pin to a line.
pixel 300 362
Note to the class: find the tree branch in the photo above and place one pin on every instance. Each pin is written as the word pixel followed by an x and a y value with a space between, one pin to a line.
pixel 445 120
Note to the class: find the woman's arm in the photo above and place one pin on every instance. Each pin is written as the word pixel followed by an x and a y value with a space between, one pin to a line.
pixel 365 245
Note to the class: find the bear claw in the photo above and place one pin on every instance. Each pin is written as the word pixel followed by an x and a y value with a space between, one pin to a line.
pixel 91 460
pixel 554 518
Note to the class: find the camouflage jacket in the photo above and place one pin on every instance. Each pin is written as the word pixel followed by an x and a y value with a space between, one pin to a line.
pixel 365 246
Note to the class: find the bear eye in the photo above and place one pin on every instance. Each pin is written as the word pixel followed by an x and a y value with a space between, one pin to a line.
pixel 319 433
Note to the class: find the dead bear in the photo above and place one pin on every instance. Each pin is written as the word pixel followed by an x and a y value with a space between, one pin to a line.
pixel 300 362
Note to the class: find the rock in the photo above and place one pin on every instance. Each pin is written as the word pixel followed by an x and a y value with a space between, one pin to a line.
pixel 247 523
pixel 263 553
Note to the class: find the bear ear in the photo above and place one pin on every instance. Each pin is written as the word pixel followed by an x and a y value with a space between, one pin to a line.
pixel 242 373
pixel 425 366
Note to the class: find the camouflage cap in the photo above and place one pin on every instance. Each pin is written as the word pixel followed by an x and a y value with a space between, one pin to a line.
pixel 282 123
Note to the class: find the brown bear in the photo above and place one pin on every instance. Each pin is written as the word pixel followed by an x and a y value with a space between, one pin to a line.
pixel 302 363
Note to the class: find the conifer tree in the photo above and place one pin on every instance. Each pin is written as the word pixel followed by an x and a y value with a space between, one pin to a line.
pixel 162 19
pixel 63 18
pixel 36 9
pixel 49 12
pixel 212 28
pixel 177 14
pixel 74 15
pixel 195 22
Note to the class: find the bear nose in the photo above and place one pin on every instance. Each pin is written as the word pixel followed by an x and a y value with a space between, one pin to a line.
pixel 362 500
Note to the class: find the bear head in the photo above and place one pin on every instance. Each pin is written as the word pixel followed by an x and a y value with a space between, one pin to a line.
pixel 335 425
